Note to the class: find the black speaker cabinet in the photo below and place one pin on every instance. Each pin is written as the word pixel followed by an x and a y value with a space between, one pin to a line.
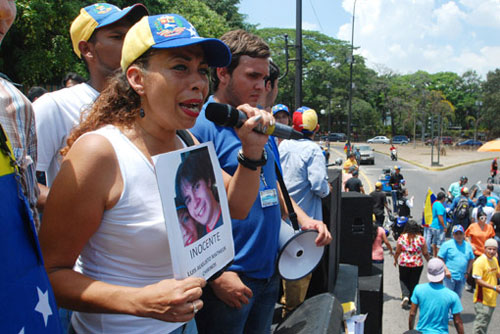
pixel 371 295
pixel 356 231
pixel 325 274
pixel 321 314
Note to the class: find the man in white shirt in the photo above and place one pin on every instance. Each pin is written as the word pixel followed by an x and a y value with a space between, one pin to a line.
pixel 97 35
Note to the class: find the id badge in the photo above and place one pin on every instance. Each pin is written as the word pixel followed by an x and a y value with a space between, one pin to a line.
pixel 268 197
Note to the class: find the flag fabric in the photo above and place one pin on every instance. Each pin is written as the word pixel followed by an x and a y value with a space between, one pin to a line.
pixel 429 200
pixel 28 304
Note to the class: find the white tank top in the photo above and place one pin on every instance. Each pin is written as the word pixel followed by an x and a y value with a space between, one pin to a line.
pixel 130 247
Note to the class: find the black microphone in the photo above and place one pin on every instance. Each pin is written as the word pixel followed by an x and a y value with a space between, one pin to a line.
pixel 227 115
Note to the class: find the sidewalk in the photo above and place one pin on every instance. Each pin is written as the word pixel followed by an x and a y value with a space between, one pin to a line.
pixel 421 155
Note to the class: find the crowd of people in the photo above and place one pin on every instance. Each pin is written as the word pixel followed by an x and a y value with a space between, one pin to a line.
pixel 468 258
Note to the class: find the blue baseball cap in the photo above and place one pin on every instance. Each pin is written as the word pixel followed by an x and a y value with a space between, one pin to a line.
pixel 457 228
pixel 280 107
pixel 100 15
pixel 167 31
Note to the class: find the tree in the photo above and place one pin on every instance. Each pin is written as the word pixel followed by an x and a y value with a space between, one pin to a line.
pixel 38 49
pixel 228 9
pixel 325 73
pixel 366 118
pixel 441 108
pixel 491 105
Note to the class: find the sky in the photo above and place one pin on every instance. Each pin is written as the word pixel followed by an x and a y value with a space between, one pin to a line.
pixel 399 36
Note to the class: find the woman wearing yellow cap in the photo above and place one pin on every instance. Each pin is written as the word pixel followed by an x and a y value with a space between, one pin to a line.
pixel 103 234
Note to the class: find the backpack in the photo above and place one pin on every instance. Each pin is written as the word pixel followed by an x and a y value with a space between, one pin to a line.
pixel 462 209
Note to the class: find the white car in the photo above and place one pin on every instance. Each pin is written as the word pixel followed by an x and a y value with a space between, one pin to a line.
pixel 366 153
pixel 379 139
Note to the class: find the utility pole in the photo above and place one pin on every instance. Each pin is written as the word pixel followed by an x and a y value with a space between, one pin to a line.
pixel 351 61
pixel 298 55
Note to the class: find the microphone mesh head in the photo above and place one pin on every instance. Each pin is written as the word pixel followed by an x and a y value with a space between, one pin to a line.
pixel 222 114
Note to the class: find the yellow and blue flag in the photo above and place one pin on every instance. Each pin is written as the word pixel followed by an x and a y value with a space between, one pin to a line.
pixel 429 200
pixel 28 304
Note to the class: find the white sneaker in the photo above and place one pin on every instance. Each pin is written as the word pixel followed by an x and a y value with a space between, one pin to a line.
pixel 404 302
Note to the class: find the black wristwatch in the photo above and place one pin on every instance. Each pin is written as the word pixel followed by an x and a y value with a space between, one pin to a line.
pixel 252 164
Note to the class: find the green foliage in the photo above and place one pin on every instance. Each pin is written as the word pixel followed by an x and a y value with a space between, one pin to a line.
pixel 228 9
pixel 325 83
pixel 491 105
pixel 38 51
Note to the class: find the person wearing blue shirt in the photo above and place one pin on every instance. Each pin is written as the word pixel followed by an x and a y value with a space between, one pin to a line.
pixel 438 225
pixel 493 195
pixel 435 301
pixel 242 299
pixel 454 189
pixel 491 200
pixel 458 257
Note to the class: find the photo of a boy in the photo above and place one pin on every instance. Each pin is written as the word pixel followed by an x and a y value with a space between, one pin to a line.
pixel 196 190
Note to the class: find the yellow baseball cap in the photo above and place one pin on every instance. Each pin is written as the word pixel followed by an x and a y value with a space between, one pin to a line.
pixel 167 31
pixel 100 15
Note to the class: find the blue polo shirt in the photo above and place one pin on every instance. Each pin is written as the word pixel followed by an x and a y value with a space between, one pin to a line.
pixel 435 301
pixel 256 237
pixel 456 257
pixel 438 210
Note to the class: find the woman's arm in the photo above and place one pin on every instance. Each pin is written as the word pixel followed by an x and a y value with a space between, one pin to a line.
pixel 386 242
pixel 425 252
pixel 88 183
pixel 397 253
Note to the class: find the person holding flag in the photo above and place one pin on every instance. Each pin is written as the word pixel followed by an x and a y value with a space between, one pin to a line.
pixel 29 303
pixel 427 215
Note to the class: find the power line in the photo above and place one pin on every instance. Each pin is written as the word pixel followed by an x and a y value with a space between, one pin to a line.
pixel 316 15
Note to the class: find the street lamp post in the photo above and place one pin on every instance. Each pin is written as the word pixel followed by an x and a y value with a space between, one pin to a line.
pixel 478 104
pixel 351 61
pixel 328 86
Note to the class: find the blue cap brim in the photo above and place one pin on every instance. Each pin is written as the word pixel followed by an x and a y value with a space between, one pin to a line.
pixel 216 52
pixel 115 17
pixel 277 111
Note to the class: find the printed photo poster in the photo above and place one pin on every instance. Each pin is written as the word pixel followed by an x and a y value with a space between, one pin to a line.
pixel 196 211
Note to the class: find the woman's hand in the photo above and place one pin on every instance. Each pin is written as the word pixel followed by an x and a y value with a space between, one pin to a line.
pixel 253 142
pixel 170 300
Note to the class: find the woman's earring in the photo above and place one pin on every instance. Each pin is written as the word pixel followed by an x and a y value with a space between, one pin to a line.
pixel 141 113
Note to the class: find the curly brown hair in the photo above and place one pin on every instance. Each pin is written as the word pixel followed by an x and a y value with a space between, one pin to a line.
pixel 118 104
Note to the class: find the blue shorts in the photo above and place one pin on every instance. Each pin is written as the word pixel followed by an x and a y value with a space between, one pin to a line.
pixel 436 236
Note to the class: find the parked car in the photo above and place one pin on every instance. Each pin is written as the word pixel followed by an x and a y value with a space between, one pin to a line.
pixel 469 143
pixel 400 139
pixel 334 136
pixel 445 140
pixel 366 154
pixel 379 139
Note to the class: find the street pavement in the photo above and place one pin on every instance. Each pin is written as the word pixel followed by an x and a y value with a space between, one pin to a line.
pixel 395 319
